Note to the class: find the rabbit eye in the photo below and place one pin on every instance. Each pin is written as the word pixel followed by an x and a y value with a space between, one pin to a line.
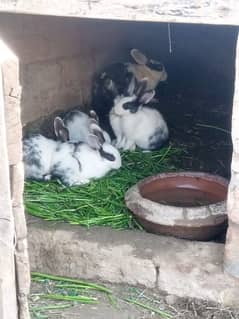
pixel 155 65
pixel 127 106
pixel 134 109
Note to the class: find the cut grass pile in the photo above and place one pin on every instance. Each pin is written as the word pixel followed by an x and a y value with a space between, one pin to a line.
pixel 100 202
pixel 63 292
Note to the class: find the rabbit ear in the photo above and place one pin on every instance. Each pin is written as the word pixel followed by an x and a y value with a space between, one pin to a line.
pixel 95 128
pixel 131 87
pixel 61 130
pixel 96 138
pixel 141 87
pixel 138 57
pixel 94 116
pixel 94 142
pixel 110 86
pixel 108 156
pixel 146 97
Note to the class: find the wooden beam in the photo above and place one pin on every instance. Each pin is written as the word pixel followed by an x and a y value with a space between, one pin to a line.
pixel 8 304
pixel 23 279
pixel 12 100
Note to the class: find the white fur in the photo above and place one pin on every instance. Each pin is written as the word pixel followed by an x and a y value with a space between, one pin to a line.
pixel 93 165
pixel 119 101
pixel 79 128
pixel 75 165
pixel 44 147
pixel 135 129
pixel 49 153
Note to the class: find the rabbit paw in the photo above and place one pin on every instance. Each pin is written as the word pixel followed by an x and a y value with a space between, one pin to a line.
pixel 129 146
pixel 120 143
pixel 47 177
pixel 83 182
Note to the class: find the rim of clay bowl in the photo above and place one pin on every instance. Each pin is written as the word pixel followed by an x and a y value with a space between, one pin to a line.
pixel 170 215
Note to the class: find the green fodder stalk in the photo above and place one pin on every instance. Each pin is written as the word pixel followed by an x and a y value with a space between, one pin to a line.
pixel 100 202
pixel 161 313
pixel 76 282
pixel 81 299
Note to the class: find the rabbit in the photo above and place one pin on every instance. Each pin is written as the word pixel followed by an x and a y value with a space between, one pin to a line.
pixel 72 163
pixel 151 69
pixel 80 127
pixel 135 124
pixel 120 75
pixel 45 158
pixel 75 127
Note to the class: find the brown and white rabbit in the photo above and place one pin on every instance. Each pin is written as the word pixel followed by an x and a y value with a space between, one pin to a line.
pixel 135 124
pixel 117 76
pixel 72 163
pixel 148 68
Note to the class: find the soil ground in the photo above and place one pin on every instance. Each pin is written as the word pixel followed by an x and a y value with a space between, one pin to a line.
pixel 200 124
pixel 116 308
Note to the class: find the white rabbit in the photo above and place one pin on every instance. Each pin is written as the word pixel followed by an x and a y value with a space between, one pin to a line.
pixel 72 163
pixel 76 127
pixel 133 123
pixel 119 74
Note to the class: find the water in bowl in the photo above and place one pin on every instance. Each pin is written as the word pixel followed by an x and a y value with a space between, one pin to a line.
pixel 183 197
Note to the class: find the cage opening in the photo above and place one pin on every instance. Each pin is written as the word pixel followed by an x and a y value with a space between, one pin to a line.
pixel 59 58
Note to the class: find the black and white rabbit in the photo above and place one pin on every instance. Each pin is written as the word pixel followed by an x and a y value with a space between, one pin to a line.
pixel 135 124
pixel 72 163
pixel 76 126
pixel 117 76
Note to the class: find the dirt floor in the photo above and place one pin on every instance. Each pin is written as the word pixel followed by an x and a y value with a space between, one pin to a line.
pixel 114 306
pixel 199 123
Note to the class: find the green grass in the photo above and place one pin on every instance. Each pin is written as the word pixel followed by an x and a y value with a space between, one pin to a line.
pixel 100 202
pixel 58 293
pixel 68 282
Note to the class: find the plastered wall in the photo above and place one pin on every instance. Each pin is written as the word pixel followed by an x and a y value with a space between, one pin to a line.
pixel 58 56
pixel 57 59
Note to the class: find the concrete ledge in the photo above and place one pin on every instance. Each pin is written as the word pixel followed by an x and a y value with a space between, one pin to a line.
pixel 157 11
pixel 184 268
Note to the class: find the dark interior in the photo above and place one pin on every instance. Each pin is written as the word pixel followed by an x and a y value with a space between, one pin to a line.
pixel 60 56
pixel 197 98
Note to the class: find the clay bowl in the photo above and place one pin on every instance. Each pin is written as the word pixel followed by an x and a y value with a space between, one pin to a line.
pixel 190 205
